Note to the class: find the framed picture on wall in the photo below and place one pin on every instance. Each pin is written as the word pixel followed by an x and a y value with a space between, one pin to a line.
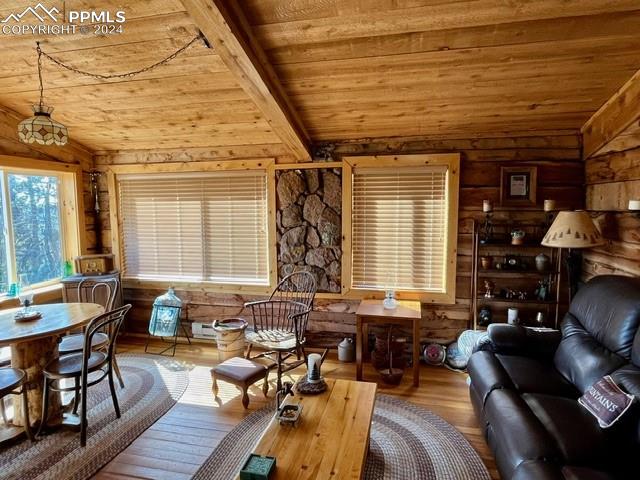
pixel 518 186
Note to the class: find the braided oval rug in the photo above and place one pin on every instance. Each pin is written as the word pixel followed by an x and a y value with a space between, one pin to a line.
pixel 407 443
pixel 152 386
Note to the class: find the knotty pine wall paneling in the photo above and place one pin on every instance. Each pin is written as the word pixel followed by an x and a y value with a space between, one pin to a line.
pixel 611 149
pixel 560 176
pixel 612 180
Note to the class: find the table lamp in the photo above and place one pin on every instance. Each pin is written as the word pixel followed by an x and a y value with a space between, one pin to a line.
pixel 573 230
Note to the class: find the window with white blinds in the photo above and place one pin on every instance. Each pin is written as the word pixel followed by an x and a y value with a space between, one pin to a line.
pixel 399 228
pixel 195 227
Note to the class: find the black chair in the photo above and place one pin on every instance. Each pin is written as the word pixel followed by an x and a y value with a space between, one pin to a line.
pixel 103 293
pixel 280 323
pixel 78 366
pixel 14 381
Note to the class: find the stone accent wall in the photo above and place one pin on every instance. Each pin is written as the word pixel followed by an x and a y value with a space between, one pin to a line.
pixel 308 219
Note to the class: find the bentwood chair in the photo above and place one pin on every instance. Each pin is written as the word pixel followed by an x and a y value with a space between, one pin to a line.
pixel 78 366
pixel 14 381
pixel 280 323
pixel 103 293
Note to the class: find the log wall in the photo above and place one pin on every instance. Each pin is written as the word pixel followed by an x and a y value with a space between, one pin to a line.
pixel 560 176
pixel 613 179
pixel 612 171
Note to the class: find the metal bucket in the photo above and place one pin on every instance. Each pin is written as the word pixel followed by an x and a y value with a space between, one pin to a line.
pixel 230 337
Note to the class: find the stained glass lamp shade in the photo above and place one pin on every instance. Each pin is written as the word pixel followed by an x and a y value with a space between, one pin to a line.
pixel 42 129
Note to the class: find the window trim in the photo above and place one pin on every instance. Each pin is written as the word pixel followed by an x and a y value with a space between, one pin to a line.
pixel 449 160
pixel 71 202
pixel 265 165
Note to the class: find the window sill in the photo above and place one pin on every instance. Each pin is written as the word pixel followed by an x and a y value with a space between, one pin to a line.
pixel 232 288
pixel 48 294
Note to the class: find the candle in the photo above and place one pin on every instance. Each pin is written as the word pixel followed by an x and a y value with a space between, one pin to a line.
pixel 634 205
pixel 314 362
pixel 487 206
pixel 549 205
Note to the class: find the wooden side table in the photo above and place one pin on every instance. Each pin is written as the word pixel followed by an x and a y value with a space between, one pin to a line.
pixel 372 312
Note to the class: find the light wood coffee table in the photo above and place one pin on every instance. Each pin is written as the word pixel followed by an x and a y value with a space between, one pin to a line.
pixel 331 439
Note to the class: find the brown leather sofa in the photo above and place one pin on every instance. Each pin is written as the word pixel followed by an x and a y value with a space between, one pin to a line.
pixel 525 385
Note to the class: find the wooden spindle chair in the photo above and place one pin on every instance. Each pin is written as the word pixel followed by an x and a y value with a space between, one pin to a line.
pixel 280 323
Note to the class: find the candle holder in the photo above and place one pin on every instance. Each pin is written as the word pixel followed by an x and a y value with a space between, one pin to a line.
pixel 549 208
pixel 634 208
pixel 486 230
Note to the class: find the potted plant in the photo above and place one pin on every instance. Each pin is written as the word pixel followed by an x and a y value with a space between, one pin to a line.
pixel 517 237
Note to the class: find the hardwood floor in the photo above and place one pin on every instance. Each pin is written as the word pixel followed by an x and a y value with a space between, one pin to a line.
pixel 179 442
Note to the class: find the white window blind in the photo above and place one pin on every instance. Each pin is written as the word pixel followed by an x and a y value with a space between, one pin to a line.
pixel 399 228
pixel 195 227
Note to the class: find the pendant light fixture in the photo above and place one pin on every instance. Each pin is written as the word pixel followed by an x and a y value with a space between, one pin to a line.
pixel 41 128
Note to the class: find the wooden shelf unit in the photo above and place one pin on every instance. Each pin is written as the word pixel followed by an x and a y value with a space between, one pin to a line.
pixel 526 280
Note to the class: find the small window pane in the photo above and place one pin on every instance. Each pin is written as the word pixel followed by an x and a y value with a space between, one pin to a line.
pixel 35 213
pixel 4 270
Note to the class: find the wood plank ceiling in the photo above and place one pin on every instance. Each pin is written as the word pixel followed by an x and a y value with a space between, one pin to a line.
pixel 194 101
pixel 378 68
pixel 352 69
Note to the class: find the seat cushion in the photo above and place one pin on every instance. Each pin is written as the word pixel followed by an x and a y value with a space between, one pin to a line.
pixel 515 434
pixel 529 375
pixel 272 339
pixel 71 365
pixel 240 369
pixel 75 343
pixel 582 473
pixel 537 470
pixel 575 431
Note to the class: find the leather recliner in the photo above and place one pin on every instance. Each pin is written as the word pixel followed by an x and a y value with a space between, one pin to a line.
pixel 525 385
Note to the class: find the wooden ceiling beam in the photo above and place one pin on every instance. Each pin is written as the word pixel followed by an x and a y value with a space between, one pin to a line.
pixel 620 114
pixel 226 28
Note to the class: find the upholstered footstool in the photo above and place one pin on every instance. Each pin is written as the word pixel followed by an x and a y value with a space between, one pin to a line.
pixel 242 373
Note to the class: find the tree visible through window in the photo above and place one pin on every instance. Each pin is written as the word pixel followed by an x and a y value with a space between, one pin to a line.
pixel 31 244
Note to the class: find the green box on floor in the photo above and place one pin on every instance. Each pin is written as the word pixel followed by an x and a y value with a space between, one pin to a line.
pixel 257 467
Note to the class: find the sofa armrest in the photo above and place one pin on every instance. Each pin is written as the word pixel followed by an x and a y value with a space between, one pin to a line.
pixel 519 340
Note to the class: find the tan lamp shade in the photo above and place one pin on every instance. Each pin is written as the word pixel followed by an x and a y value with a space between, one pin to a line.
pixel 573 230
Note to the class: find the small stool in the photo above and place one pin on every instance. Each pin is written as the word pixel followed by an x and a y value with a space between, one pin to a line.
pixel 242 373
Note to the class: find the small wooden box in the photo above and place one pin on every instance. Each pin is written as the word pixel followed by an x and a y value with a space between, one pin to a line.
pixel 257 467
pixel 94 264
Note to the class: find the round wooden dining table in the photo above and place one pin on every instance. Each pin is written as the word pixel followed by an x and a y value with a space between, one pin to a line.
pixel 34 343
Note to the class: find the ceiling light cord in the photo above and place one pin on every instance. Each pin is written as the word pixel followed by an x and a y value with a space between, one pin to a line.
pixel 101 76
pixel 39 50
